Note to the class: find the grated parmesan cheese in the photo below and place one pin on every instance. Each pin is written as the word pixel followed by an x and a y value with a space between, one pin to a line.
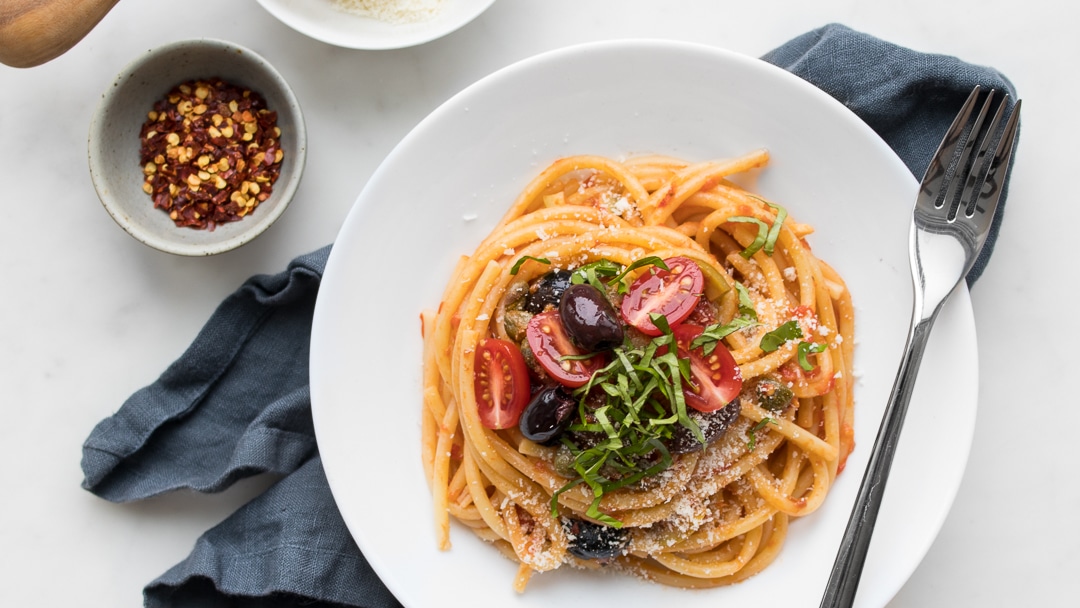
pixel 392 11
pixel 622 207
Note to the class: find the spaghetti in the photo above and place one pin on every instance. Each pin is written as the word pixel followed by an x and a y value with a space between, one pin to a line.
pixel 718 408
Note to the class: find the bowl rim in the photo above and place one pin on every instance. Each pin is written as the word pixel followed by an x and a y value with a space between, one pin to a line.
pixel 408 35
pixel 98 134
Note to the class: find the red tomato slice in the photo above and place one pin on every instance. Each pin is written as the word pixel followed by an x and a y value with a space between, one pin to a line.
pixel 501 381
pixel 717 378
pixel 673 293
pixel 549 343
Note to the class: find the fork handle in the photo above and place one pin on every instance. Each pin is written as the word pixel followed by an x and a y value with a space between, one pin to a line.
pixel 847 569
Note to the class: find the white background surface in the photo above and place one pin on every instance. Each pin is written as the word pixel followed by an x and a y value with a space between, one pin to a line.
pixel 89 315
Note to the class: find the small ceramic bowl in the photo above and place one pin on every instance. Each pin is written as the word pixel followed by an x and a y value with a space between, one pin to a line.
pixel 324 21
pixel 114 142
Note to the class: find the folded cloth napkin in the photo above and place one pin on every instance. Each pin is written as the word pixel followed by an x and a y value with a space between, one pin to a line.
pixel 237 402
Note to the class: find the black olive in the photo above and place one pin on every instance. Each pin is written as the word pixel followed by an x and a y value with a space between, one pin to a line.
pixel 547 290
pixel 712 424
pixel 594 541
pixel 548 414
pixel 589 319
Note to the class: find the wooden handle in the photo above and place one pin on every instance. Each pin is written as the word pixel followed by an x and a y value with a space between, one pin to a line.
pixel 35 31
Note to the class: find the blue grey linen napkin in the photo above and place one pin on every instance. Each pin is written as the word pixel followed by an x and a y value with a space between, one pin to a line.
pixel 237 402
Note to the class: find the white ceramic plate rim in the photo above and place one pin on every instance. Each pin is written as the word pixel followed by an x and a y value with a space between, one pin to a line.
pixel 319 19
pixel 366 400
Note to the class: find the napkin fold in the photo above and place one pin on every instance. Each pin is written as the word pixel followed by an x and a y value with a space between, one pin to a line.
pixel 237 402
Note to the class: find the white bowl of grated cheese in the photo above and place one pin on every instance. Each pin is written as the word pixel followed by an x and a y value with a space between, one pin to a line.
pixel 375 24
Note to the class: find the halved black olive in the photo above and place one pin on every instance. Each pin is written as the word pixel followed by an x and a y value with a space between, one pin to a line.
pixel 547 415
pixel 589 319
pixel 594 541
pixel 547 290
pixel 712 424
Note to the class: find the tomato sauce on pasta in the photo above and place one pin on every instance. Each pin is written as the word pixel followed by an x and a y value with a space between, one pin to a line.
pixel 644 368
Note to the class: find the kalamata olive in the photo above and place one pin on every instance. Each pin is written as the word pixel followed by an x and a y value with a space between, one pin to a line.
pixel 547 290
pixel 712 424
pixel 771 393
pixel 594 541
pixel 589 319
pixel 547 415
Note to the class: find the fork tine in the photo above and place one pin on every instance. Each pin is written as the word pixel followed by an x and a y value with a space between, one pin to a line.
pixel 962 163
pixel 981 163
pixel 987 199
pixel 936 171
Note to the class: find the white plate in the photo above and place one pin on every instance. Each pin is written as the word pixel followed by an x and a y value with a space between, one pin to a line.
pixel 473 155
pixel 319 19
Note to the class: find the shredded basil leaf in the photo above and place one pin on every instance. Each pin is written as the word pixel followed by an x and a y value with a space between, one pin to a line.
pixel 709 338
pixel 651 260
pixel 712 335
pixel 774 232
pixel 599 268
pixel 777 337
pixel 767 235
pixel 642 402
pixel 660 321
pixel 750 445
pixel 594 512
pixel 746 305
pixel 603 272
pixel 594 273
pixel 805 348
pixel 517 265
pixel 577 357
pixel 759 240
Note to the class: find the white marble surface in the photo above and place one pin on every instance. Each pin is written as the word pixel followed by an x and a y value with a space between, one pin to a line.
pixel 89 315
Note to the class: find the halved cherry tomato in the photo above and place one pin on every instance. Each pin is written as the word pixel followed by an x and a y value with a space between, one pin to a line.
pixel 717 378
pixel 673 293
pixel 549 342
pixel 501 381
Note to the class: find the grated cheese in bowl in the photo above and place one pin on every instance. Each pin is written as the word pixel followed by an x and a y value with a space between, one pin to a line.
pixel 392 11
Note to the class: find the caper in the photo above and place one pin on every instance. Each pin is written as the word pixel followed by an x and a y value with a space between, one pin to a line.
pixel 530 359
pixel 771 393
pixel 515 322
pixel 564 462
pixel 515 294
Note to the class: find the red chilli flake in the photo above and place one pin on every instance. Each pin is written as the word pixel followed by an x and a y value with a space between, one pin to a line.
pixel 210 152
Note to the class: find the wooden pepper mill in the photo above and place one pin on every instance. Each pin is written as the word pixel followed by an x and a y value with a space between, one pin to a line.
pixel 35 31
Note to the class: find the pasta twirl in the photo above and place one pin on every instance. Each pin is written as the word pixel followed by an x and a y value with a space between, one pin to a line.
pixel 680 454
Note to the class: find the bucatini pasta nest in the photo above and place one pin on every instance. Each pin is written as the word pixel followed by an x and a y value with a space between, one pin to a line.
pixel 644 367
